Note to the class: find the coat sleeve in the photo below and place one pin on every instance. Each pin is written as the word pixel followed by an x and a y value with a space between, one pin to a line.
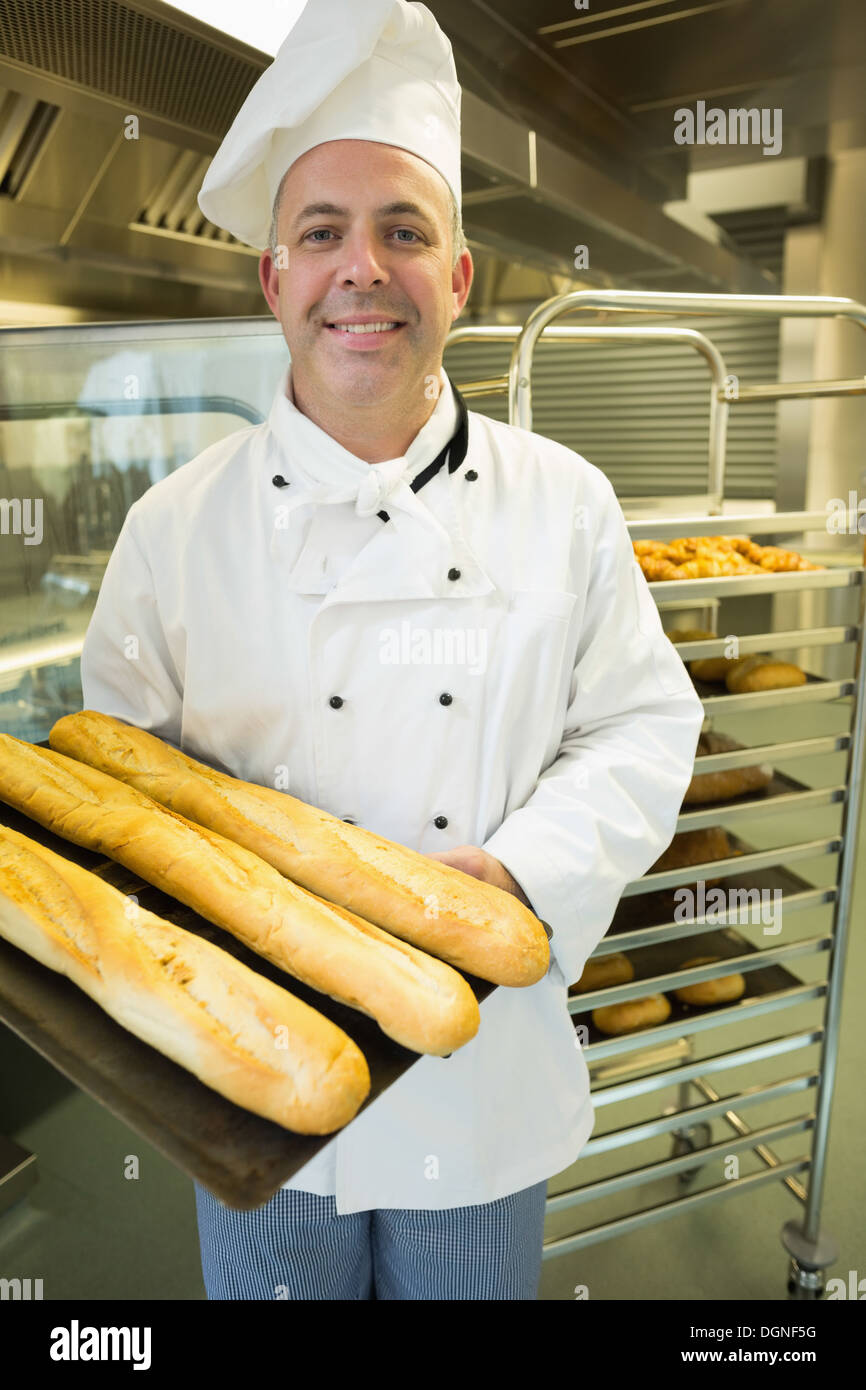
pixel 606 807
pixel 127 669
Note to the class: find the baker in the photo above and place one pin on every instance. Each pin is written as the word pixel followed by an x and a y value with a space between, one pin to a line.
pixel 259 579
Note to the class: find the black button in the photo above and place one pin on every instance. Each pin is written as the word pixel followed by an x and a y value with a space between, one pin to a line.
pixel 440 822
pixel 445 698
pixel 471 475
pixel 453 574
pixel 335 701
pixel 279 481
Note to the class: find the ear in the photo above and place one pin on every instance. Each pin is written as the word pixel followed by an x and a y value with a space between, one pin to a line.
pixel 461 282
pixel 269 279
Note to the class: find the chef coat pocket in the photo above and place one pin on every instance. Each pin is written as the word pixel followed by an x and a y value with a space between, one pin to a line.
pixel 548 603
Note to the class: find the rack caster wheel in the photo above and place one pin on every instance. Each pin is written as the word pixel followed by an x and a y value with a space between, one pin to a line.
pixel 805 1284
pixel 809 1260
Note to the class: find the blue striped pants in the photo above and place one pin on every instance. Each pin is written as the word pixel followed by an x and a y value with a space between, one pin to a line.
pixel 298 1247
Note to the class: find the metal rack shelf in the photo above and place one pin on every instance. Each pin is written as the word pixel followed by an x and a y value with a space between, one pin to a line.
pixel 655 1059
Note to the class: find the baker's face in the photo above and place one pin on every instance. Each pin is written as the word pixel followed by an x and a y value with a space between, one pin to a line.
pixel 365 240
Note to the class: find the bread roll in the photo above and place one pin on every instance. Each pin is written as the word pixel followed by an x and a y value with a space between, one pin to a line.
pixel 471 924
pixel 604 972
pixel 762 673
pixel 708 668
pixel 420 1002
pixel 239 1033
pixel 721 991
pixel 632 1015
pixel 730 782
pixel 694 847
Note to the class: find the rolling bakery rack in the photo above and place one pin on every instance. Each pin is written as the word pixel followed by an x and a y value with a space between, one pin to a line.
pixel 641 1065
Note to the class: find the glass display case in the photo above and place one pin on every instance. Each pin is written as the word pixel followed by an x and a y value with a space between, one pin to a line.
pixel 90 417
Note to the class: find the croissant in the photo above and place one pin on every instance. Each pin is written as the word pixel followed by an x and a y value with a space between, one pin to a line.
pixel 708 557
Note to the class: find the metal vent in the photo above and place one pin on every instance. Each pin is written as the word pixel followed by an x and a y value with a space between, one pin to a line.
pixel 106 47
pixel 24 127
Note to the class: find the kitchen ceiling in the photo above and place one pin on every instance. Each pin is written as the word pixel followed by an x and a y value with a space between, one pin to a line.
pixel 568 122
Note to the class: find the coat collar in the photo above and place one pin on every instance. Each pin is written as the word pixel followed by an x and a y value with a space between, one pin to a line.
pixel 317 465
pixel 407 557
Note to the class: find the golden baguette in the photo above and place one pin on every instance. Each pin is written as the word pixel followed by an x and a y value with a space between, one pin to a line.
pixel 455 916
pixel 420 1002
pixel 239 1033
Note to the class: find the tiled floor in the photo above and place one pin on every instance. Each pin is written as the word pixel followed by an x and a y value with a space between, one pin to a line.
pixel 88 1232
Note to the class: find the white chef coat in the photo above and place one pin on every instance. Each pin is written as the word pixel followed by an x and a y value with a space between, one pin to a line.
pixel 233 610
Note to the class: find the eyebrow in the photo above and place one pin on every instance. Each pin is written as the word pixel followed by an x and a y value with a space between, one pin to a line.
pixel 388 210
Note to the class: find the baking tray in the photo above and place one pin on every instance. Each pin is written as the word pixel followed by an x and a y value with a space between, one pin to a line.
pixel 240 1157
pixel 650 909
pixel 717 690
pixel 779 785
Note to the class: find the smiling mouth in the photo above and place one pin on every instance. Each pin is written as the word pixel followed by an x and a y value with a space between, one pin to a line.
pixel 351 329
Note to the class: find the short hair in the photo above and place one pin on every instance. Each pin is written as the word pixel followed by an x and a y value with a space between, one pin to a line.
pixel 458 238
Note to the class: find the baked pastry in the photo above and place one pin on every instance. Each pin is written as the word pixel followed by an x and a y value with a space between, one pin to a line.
pixel 238 1032
pixel 708 668
pixel 708 557
pixel 730 782
pixel 472 925
pixel 418 1001
pixel 694 847
pixel 632 1015
pixel 762 673
pixel 723 990
pixel 616 969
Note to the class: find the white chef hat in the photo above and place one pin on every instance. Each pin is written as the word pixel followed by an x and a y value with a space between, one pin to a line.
pixel 377 70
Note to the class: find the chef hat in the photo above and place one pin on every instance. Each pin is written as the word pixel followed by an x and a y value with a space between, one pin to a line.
pixel 377 70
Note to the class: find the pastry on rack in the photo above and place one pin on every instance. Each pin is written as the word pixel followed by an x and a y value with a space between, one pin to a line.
pixel 712 557
pixel 762 673
pixel 694 847
pixel 632 1015
pixel 709 668
pixel 616 969
pixel 723 990
pixel 728 783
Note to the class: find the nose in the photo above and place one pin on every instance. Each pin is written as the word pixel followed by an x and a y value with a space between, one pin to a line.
pixel 360 266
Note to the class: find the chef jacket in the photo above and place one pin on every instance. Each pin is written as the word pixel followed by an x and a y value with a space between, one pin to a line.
pixel 475 660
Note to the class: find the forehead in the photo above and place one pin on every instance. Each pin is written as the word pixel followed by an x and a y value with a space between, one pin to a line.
pixel 362 174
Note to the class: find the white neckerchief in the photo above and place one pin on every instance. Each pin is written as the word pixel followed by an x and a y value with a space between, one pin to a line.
pixel 321 472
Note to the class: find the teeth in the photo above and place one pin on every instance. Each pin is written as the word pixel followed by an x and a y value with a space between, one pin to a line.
pixel 364 327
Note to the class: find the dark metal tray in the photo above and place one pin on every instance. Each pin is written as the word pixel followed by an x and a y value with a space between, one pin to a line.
pixel 240 1157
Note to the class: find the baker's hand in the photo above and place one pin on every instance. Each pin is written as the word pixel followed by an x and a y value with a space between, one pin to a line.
pixel 477 862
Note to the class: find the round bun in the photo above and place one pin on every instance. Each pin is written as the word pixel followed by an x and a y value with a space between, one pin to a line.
pixel 724 990
pixel 599 974
pixel 632 1015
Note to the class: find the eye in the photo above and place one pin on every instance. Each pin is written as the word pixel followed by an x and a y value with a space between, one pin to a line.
pixel 408 231
pixel 318 231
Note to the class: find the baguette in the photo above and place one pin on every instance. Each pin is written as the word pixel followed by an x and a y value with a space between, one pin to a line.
pixel 473 925
pixel 184 996
pixel 420 1002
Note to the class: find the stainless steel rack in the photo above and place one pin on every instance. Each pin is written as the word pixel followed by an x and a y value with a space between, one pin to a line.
pixel 656 1059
